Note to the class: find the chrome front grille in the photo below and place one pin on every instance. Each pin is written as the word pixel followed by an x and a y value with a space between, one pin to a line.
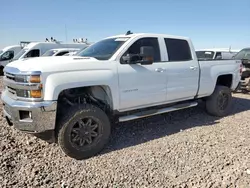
pixel 10 76
pixel 16 78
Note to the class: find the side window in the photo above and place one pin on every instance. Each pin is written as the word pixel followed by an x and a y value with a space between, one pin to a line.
pixel 218 55
pixel 33 53
pixel 153 42
pixel 7 55
pixel 62 53
pixel 178 50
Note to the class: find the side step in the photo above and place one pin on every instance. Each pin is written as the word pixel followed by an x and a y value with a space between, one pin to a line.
pixel 153 112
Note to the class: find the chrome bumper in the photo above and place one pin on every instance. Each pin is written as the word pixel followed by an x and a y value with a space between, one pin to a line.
pixel 32 117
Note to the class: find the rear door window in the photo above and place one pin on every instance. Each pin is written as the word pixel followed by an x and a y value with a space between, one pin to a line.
pixel 178 50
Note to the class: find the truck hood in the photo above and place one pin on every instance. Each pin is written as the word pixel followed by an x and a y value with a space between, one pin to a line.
pixel 57 63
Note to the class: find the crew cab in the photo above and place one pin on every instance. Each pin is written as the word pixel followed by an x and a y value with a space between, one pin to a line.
pixel 74 100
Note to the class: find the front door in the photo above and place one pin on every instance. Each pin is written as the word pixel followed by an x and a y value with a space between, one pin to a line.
pixel 142 85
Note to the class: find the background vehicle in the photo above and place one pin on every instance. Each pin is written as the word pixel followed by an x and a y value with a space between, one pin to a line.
pixel 70 54
pixel 215 53
pixel 7 54
pixel 37 49
pixel 60 51
pixel 244 56
pixel 120 78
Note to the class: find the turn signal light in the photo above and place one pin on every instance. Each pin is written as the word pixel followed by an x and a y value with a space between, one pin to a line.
pixel 36 93
pixel 35 79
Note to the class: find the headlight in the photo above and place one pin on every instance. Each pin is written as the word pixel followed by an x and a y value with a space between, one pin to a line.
pixel 29 81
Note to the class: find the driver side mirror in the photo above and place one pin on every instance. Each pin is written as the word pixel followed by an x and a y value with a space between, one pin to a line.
pixel 146 56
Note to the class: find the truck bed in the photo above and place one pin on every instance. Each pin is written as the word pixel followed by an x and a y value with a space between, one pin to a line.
pixel 209 71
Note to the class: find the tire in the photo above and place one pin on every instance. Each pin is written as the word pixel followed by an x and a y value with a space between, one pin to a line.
pixel 214 104
pixel 74 138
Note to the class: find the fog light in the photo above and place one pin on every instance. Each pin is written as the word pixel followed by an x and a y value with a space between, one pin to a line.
pixel 25 115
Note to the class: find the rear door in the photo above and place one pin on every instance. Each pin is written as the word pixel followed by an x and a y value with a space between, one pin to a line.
pixel 182 70
pixel 142 85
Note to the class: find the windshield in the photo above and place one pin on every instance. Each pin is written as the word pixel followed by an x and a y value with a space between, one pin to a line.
pixel 80 51
pixel 50 53
pixel 1 51
pixel 23 51
pixel 104 49
pixel 205 54
pixel 243 54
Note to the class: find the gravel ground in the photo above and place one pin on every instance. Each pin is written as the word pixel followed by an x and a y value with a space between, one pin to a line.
pixel 182 149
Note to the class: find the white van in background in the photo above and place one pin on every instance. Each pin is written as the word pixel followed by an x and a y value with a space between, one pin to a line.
pixel 37 49
pixel 216 53
pixel 8 53
pixel 60 51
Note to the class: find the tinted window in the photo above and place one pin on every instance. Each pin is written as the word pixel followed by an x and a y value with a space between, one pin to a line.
pixel 62 53
pixel 243 54
pixel 178 50
pixel 49 53
pixel 8 55
pixel 104 49
pixel 218 55
pixel 153 42
pixel 33 53
pixel 201 55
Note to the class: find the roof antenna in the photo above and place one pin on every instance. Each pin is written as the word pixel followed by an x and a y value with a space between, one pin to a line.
pixel 129 32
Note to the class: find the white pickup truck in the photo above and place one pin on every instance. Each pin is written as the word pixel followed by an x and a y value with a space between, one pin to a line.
pixel 75 100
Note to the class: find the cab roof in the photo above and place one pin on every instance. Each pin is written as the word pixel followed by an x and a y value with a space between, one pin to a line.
pixel 8 47
pixel 134 35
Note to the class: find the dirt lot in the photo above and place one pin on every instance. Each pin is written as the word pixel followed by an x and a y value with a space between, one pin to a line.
pixel 182 149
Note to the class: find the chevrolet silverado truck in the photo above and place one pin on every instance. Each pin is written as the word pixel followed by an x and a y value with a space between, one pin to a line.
pixel 75 100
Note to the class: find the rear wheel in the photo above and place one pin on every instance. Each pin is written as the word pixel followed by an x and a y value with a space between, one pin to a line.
pixel 84 132
pixel 220 102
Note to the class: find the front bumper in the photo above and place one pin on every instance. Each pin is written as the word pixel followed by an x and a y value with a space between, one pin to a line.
pixel 31 117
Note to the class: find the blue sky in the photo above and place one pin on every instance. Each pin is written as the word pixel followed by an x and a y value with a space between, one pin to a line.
pixel 214 23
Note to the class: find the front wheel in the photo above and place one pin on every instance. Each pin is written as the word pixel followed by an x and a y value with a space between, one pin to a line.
pixel 220 102
pixel 84 132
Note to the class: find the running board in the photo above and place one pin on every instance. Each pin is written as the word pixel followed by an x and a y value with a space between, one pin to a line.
pixel 153 112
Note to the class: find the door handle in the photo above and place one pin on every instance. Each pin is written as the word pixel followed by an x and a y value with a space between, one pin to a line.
pixel 193 67
pixel 160 70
